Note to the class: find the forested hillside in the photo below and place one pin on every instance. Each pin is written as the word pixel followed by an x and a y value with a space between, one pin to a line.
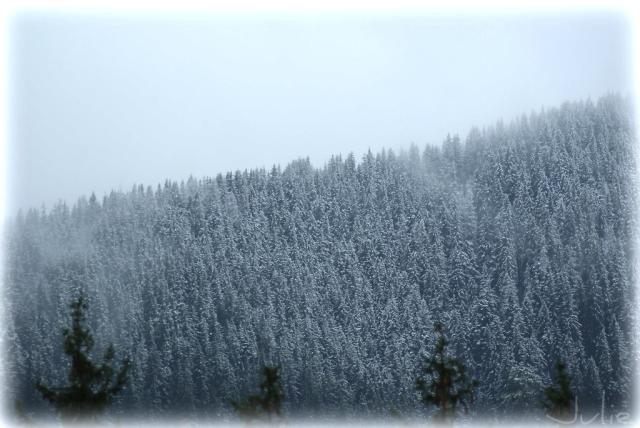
pixel 517 238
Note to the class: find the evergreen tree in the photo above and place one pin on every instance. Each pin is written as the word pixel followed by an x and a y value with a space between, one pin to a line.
pixel 559 397
pixel 445 383
pixel 266 404
pixel 91 387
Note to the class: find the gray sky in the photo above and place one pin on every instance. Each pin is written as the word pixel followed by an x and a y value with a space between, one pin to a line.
pixel 103 102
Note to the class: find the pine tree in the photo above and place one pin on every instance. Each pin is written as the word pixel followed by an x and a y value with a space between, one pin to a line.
pixel 266 404
pixel 445 383
pixel 91 387
pixel 559 396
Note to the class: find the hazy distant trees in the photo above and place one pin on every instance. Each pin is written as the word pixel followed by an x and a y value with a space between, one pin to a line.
pixel 517 238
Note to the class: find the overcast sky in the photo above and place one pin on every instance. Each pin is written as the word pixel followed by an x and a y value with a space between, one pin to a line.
pixel 103 102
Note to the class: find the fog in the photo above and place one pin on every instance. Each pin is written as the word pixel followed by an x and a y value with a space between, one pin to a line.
pixel 106 102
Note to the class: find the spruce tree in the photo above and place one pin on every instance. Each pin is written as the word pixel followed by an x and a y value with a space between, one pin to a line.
pixel 559 397
pixel 91 387
pixel 266 404
pixel 444 383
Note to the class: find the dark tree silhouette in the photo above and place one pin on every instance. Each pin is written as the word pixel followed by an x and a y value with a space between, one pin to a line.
pixel 91 387
pixel 444 383
pixel 559 397
pixel 268 402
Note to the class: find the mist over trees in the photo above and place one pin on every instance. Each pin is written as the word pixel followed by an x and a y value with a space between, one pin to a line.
pixel 517 238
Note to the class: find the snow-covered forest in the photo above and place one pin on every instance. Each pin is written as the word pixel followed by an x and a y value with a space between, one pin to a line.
pixel 518 238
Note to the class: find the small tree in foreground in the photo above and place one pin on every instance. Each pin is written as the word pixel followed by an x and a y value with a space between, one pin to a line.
pixel 268 402
pixel 444 383
pixel 91 387
pixel 559 397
